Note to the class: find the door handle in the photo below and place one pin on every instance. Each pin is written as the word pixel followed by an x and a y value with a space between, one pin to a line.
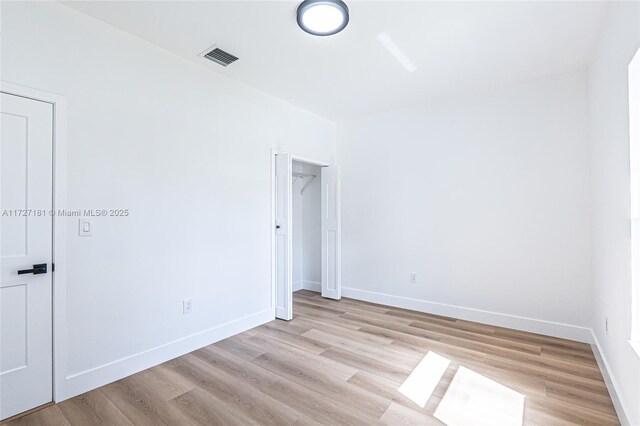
pixel 38 269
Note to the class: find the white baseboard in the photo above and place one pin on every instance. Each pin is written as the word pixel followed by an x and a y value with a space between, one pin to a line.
pixel 612 385
pixel 107 373
pixel 548 328
pixel 312 286
pixel 297 285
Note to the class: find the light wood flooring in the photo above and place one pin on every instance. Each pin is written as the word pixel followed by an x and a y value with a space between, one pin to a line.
pixel 342 362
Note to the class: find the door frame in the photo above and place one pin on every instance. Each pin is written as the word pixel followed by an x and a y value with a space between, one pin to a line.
pixel 294 157
pixel 59 248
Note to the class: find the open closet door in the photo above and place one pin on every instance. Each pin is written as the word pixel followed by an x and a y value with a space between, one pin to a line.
pixel 331 270
pixel 284 274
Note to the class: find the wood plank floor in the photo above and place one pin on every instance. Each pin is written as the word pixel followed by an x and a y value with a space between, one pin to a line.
pixel 342 362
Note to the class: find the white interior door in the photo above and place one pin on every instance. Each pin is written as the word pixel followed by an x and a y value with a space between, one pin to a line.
pixel 26 237
pixel 284 267
pixel 331 270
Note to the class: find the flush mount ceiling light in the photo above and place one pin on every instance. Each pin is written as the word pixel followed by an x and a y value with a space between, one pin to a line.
pixel 323 17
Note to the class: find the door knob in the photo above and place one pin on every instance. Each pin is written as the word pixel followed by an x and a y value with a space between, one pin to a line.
pixel 38 269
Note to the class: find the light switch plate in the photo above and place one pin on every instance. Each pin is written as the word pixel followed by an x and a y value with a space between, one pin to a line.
pixel 85 227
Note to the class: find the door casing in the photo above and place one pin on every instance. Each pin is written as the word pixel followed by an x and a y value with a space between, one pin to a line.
pixel 59 252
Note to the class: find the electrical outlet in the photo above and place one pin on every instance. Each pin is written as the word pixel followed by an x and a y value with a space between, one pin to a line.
pixel 85 227
pixel 186 306
pixel 413 277
pixel 606 325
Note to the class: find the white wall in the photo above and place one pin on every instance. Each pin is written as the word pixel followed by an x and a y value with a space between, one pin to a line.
pixel 485 197
pixel 609 107
pixel 188 152
pixel 307 230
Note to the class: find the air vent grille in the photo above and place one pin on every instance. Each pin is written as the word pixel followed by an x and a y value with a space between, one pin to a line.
pixel 221 57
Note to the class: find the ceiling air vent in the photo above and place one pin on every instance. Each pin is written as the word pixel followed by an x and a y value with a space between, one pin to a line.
pixel 220 57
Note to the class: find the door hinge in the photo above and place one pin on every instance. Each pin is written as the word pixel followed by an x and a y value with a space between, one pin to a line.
pixel 53 267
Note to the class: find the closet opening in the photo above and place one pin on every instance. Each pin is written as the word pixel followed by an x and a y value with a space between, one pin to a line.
pixel 306 229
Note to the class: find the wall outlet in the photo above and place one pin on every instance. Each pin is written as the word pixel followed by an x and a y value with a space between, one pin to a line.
pixel 85 227
pixel 606 325
pixel 186 306
pixel 413 277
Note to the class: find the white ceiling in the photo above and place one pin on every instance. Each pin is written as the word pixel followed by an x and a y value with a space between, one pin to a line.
pixel 456 47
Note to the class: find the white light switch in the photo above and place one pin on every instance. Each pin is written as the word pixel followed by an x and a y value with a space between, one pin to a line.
pixel 85 227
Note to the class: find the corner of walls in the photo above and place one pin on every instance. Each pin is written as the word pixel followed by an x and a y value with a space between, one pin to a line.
pixel 312 286
pixel 612 385
pixel 610 224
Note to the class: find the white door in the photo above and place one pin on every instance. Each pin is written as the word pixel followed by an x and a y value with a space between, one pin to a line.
pixel 331 270
pixel 25 299
pixel 284 267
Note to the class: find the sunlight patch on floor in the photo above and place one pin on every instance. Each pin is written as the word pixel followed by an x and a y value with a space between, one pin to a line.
pixel 423 380
pixel 473 399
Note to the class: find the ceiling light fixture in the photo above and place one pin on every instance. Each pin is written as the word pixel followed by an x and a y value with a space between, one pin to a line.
pixel 323 17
